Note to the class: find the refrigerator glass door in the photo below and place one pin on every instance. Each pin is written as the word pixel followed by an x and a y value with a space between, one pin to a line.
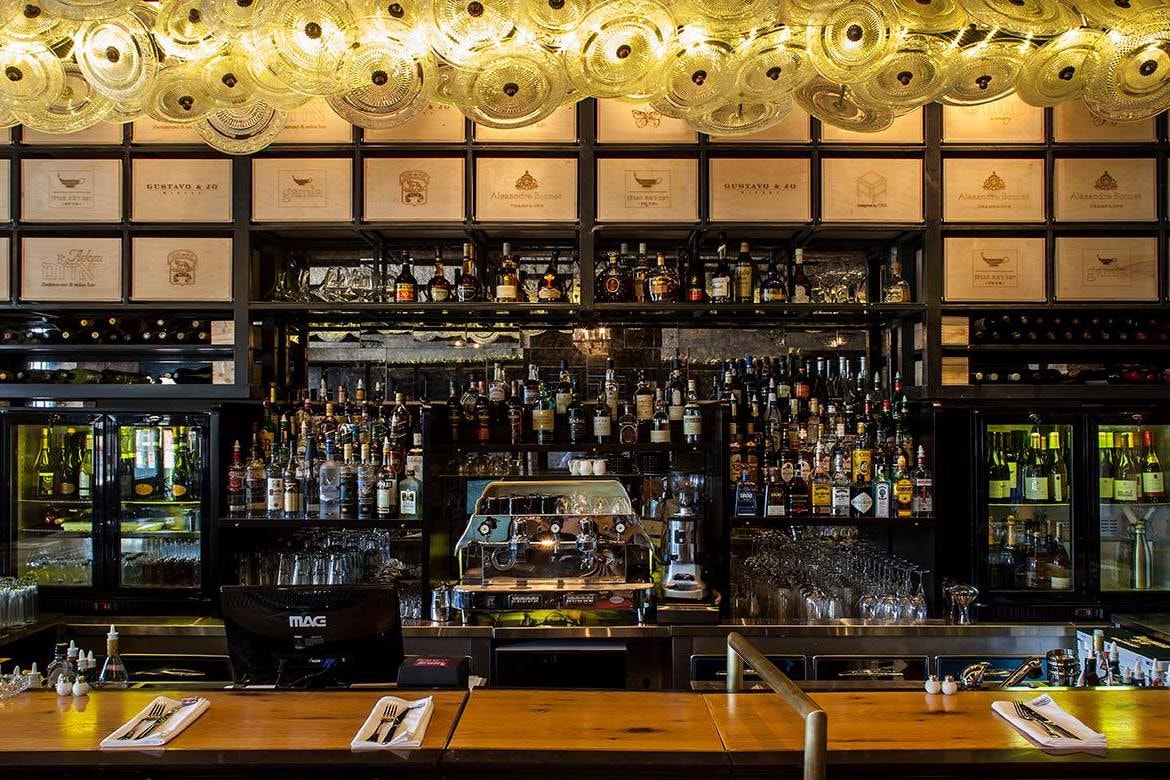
pixel 1133 508
pixel 55 491
pixel 160 500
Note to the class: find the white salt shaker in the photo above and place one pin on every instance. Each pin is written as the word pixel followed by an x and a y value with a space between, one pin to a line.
pixel 949 686
pixel 933 686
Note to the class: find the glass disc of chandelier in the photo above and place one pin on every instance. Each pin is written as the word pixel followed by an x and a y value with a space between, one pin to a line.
pixel 553 21
pixel 1054 72
pixel 464 26
pixel 848 43
pixel 511 88
pixel 796 13
pixel 619 49
pixel 233 19
pixel 384 82
pixel 837 105
pixel 1111 13
pixel 76 107
pixel 309 42
pixel 916 73
pixel 31 75
pixel 228 82
pixel 986 71
pixel 9 9
pixel 399 10
pixel 88 10
pixel 728 18
pixel 741 117
pixel 241 130
pixel 266 85
pixel 772 65
pixel 1027 17
pixel 696 77
pixel 8 119
pixel 1129 71
pixel 931 16
pixel 117 56
pixel 35 23
pixel 179 94
pixel 182 32
pixel 124 111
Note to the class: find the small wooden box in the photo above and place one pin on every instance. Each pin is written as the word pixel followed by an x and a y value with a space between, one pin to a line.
pixel 1008 120
pixel 558 127
pixel 71 269
pixel 71 190
pixel 288 189
pixel 414 189
pixel 745 189
pixel 647 190
pixel 170 190
pixel 1107 269
pixel 956 370
pixel 955 331
pixel 980 268
pixel 1105 190
pixel 526 189
pixel 436 125
pixel 639 123
pixel 906 129
pixel 987 190
pixel 861 189
pixel 181 268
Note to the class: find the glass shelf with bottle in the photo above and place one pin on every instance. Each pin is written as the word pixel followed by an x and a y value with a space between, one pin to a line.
pixel 1133 510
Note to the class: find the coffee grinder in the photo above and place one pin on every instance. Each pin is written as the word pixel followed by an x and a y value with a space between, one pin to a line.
pixel 683 578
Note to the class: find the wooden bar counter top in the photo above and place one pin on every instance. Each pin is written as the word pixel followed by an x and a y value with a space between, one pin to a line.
pixel 567 733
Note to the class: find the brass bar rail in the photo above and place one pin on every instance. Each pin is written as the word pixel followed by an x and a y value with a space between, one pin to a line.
pixel 816 720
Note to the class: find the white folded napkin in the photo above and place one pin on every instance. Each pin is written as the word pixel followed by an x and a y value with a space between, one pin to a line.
pixel 1088 739
pixel 185 712
pixel 410 731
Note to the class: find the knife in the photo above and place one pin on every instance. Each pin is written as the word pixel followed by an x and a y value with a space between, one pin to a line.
pixel 1042 718
pixel 166 718
pixel 398 722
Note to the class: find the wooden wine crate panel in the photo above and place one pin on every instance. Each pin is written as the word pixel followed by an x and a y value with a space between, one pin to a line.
pixel 315 123
pixel 647 190
pixel 955 331
pixel 759 190
pixel 526 189
pixel 1073 122
pixel 1106 269
pixel 293 189
pixel 436 124
pixel 170 190
pixel 1105 190
pixel 64 190
pixel 793 128
pixel 101 134
pixel 152 131
pixel 71 269
pixel 858 189
pixel 558 127
pixel 639 123
pixel 181 268
pixel 982 268
pixel 5 190
pixel 906 129
pixel 1008 120
pixel 956 370
pixel 5 266
pixel 993 190
pixel 414 189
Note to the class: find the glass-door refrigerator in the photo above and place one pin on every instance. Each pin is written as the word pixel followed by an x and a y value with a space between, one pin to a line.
pixel 1132 529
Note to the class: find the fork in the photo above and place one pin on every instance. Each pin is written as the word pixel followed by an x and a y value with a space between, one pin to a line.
pixel 156 709
pixel 158 721
pixel 401 716
pixel 387 716
pixel 1053 730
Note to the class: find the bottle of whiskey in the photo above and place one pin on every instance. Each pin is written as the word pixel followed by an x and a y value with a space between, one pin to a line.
pixel 575 418
pixel 468 288
pixel 628 425
pixel 660 420
pixel 696 290
pixel 692 422
pixel 544 414
pixel 744 275
pixel 507 278
pixel 896 289
pixel 663 282
pixel 405 285
pixel 722 290
pixel 801 291
pixel 641 275
pixel 602 421
pixel 773 289
pixel 614 283
pixel 516 413
pixel 439 287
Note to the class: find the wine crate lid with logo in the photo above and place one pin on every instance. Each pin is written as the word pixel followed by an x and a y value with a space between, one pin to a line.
pixel 640 123
pixel 526 189
pixel 151 131
pixel 647 190
pixel 314 123
pixel 987 190
pixel 860 189
pixel 181 268
pixel 1118 268
pixel 295 189
pixel 1008 120
pixel 750 189
pixel 66 190
pixel 558 127
pixel 1105 190
pixel 71 269
pixel 991 269
pixel 414 189
pixel 437 124
pixel 171 190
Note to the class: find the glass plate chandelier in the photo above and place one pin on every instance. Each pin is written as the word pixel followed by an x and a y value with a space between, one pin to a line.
pixel 233 68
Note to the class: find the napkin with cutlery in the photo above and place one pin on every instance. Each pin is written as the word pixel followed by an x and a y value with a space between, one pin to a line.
pixel 157 723
pixel 1071 733
pixel 394 723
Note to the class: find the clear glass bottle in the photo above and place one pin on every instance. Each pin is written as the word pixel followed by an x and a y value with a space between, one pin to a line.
pixel 896 289
pixel 923 503
pixel 255 482
pixel 602 421
pixel 722 285
pixel 329 484
pixel 468 288
pixel 113 673
pixel 386 499
pixel 801 285
pixel 367 485
pixel 508 278
pixel 663 282
pixel 660 420
pixel 410 498
pixel 692 421
pixel 347 497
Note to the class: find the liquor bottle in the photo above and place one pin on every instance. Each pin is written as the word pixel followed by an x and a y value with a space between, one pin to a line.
pixel 775 500
pixel 148 465
pixel 692 414
pixel 896 289
pixel 329 484
pixel 1057 470
pixel 744 275
pixel 1106 467
pixel 269 421
pixel 552 284
pixel 799 503
pixel 1059 563
pixel 309 475
pixel 883 487
pixel 46 476
pixel 822 485
pixel 497 394
pixel 903 488
pixel 747 499
pixel 602 421
pixel 611 388
pixel 660 420
pixel 85 470
pixel 386 499
pixel 544 415
pixel 841 489
pixel 663 283
pixel 722 290
pixel 628 425
pixel 236 503
pixel 468 288
pixel 181 475
pixel 923 502
pixel 1153 480
pixel 564 389
pixel 773 289
pixel 365 485
pixel 1035 473
pixel 801 287
pixel 997 485
pixel 405 285
pixel 293 503
pixel 347 497
pixel 575 417
pixel 515 413
pixel 641 275
pixel 1126 479
pixel 274 486
pixel 410 498
pixel 414 455
pixel 696 289
pixel 67 462
pixel 439 287
pixel 507 278
pixel 861 494
pixel 614 283
pixel 454 414
pixel 644 400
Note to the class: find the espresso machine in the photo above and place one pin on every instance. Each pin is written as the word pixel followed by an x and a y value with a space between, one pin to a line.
pixel 683 578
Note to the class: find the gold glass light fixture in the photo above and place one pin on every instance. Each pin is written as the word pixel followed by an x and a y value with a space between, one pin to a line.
pixel 727 67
